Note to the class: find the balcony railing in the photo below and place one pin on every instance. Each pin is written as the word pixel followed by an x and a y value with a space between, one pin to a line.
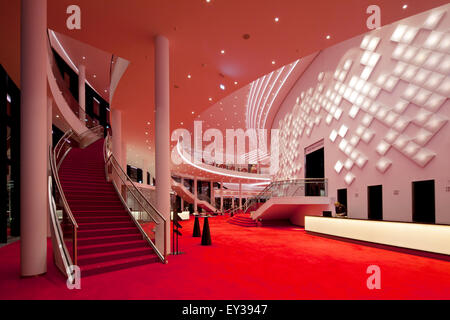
pixel 309 187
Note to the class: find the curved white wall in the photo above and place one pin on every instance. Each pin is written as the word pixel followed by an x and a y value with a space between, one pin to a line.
pixel 380 102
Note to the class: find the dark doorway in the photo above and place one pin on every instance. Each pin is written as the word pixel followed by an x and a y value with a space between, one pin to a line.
pixel 315 164
pixel 375 202
pixel 423 203
pixel 314 169
pixel 342 197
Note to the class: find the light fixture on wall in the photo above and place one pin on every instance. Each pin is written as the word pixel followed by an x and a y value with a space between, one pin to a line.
pixel 383 164
pixel 349 177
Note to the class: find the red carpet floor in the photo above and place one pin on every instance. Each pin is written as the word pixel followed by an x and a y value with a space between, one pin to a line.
pixel 246 263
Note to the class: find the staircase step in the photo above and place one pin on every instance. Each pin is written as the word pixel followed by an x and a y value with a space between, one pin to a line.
pixel 93 219
pixel 107 232
pixel 97 257
pixel 87 241
pixel 90 213
pixel 105 225
pixel 115 265
pixel 96 248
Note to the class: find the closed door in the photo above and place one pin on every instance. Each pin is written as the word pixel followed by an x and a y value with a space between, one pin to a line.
pixel 375 202
pixel 423 201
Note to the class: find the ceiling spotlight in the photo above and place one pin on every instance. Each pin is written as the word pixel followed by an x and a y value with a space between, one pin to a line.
pixel 208 1
pixel 276 19
pixel 193 112
pixel 148 122
pixel 235 82
pixel 146 133
pixel 181 123
pixel 222 87
pixel 273 62
pixel 405 6
pixel 189 76
pixel 328 37
pixel 210 99
pixel 95 76
pixel 57 116
pixel 222 51
pixel 106 90
pixel 84 58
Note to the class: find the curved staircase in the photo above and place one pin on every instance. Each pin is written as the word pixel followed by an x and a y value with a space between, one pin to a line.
pixel 108 239
pixel 243 220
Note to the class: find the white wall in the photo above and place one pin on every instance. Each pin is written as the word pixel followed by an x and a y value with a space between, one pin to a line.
pixel 404 167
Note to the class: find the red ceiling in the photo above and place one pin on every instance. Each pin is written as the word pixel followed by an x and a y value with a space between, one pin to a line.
pixel 198 31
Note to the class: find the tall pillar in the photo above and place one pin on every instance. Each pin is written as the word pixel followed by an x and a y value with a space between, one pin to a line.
pixel 116 126
pixel 49 146
pixel 33 138
pixel 221 197
pixel 144 170
pixel 82 90
pixel 182 200
pixel 195 195
pixel 123 158
pixel 213 196
pixel 162 135
pixel 240 195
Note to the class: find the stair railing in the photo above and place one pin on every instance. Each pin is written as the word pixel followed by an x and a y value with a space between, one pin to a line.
pixel 150 222
pixel 64 227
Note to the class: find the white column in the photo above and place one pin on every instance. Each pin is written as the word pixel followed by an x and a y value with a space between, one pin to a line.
pixel 49 147
pixel 221 197
pixel 33 131
pixel 195 195
pixel 213 196
pixel 123 159
pixel 240 195
pixel 82 90
pixel 116 128
pixel 162 135
pixel 182 200
pixel 144 170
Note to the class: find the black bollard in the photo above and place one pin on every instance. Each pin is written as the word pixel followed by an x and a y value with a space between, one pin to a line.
pixel 206 234
pixel 196 232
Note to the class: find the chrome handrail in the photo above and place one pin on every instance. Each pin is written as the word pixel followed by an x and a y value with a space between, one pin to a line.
pixel 63 259
pixel 54 168
pixel 140 198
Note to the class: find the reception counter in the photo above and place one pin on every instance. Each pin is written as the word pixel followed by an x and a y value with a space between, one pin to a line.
pixel 417 236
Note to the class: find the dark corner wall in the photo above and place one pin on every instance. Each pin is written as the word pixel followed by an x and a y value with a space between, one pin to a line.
pixel 9 157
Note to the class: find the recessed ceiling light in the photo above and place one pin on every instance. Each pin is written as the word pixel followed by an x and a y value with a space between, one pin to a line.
pixel 276 19
pixel 181 123
pixel 235 82
pixel 189 76
pixel 208 1
pixel 222 51
pixel 328 37
pixel 106 90
pixel 193 112
pixel 57 116
pixel 84 58
pixel 405 6
pixel 95 76
pixel 210 99
pixel 273 62
pixel 222 87
pixel 146 133
pixel 148 122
